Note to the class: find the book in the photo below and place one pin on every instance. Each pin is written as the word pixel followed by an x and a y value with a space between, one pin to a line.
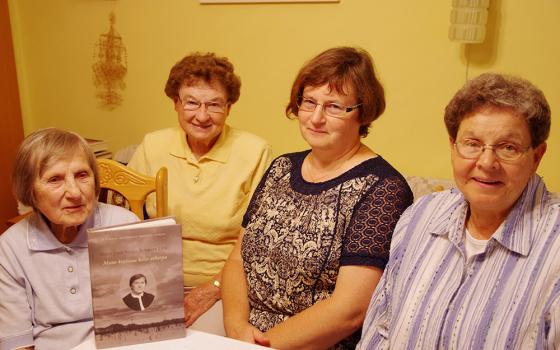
pixel 97 145
pixel 136 273
pixel 103 154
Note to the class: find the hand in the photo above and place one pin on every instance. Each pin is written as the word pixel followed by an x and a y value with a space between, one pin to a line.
pixel 260 338
pixel 199 300
pixel 249 334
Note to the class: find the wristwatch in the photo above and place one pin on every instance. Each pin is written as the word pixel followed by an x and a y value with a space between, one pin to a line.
pixel 217 283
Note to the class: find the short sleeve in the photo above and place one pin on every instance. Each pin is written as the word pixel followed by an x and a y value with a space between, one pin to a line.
pixel 15 311
pixel 259 170
pixel 368 237
pixel 256 198
pixel 139 160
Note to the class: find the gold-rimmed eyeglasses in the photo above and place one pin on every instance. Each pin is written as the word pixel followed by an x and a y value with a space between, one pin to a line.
pixel 191 104
pixel 332 109
pixel 505 151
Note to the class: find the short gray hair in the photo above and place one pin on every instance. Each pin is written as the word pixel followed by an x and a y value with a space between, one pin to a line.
pixel 492 91
pixel 39 149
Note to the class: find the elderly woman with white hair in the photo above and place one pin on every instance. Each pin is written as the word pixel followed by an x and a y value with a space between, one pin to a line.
pixel 44 264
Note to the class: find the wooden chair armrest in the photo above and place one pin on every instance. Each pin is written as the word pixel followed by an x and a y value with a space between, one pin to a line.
pixel 18 218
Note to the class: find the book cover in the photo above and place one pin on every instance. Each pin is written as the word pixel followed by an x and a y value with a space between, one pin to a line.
pixel 137 282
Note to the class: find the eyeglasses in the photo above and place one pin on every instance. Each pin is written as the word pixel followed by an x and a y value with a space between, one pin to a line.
pixel 506 151
pixel 332 109
pixel 190 104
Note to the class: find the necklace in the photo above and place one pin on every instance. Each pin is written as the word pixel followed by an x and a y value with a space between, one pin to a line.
pixel 326 174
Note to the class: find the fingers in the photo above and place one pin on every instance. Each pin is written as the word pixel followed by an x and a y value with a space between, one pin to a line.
pixel 196 304
pixel 190 310
pixel 191 318
pixel 199 300
pixel 189 321
pixel 192 313
pixel 260 338
pixel 246 334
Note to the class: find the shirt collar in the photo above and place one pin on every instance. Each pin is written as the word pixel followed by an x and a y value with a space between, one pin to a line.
pixel 451 221
pixel 219 152
pixel 516 233
pixel 521 225
pixel 41 238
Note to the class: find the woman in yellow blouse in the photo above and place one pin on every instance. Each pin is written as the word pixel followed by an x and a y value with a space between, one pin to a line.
pixel 213 170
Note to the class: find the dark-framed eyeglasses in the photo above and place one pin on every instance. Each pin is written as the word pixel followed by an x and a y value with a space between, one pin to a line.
pixel 191 104
pixel 331 109
pixel 505 151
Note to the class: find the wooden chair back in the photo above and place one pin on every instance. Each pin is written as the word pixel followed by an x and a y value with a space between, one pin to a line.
pixel 133 186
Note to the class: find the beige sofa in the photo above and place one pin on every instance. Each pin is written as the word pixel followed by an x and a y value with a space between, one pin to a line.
pixel 421 186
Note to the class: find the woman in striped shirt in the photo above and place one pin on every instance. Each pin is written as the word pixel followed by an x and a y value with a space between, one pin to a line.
pixel 476 267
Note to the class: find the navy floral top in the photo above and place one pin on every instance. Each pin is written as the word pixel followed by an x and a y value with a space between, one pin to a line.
pixel 298 234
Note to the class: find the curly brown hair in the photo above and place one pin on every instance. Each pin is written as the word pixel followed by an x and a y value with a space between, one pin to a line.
pixel 492 91
pixel 205 67
pixel 339 67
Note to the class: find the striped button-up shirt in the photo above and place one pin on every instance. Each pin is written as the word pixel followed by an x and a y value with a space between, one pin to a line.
pixel 507 297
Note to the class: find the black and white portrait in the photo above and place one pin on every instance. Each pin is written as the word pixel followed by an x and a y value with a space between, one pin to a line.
pixel 138 299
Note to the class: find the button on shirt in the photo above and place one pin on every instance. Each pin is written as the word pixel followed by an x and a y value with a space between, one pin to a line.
pixel 45 293
pixel 507 297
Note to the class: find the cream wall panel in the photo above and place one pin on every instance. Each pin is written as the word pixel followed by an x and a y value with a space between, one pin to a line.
pixel 419 67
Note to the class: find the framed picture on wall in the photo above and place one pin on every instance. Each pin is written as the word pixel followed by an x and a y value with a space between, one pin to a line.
pixel 258 1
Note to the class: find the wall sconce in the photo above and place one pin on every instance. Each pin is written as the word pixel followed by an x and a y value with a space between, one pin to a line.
pixel 468 20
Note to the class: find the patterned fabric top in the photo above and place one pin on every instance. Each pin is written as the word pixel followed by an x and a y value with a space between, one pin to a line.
pixel 298 234
pixel 45 289
pixel 507 297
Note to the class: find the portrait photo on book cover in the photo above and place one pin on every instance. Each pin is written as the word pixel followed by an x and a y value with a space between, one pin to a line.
pixel 138 299
pixel 137 282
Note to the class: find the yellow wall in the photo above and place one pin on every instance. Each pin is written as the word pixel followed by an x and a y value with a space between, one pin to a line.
pixel 419 66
